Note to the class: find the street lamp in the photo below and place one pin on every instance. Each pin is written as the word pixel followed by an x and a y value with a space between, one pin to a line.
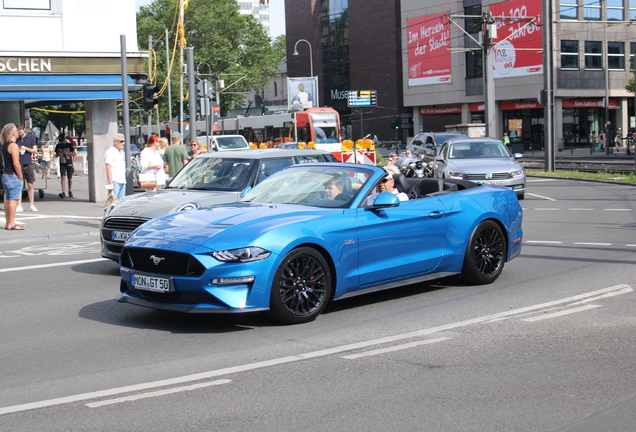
pixel 311 61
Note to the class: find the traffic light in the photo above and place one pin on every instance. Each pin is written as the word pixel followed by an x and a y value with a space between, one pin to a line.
pixel 150 96
pixel 395 124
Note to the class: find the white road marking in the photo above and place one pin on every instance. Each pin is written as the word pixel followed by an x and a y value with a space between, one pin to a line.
pixel 625 210
pixel 541 196
pixel 592 244
pixel 394 348
pixel 631 245
pixel 303 356
pixel 40 266
pixel 157 393
pixel 561 313
pixel 581 209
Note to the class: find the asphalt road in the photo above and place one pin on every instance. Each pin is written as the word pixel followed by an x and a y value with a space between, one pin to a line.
pixel 550 346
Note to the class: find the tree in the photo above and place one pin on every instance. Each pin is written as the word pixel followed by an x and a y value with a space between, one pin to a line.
pixel 226 43
pixel 630 82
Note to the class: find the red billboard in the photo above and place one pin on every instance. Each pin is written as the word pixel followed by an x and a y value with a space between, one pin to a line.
pixel 428 41
pixel 518 47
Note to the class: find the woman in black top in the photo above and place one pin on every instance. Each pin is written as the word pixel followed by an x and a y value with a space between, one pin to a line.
pixel 12 175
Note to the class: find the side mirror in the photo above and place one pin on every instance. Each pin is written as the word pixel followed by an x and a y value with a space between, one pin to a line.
pixel 439 158
pixel 385 199
pixel 518 155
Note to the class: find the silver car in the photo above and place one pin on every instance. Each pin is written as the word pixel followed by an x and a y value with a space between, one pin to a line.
pixel 481 160
pixel 209 179
pixel 426 145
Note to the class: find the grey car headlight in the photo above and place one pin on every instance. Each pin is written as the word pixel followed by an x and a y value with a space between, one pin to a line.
pixel 192 205
pixel 247 254
pixel 456 175
pixel 518 173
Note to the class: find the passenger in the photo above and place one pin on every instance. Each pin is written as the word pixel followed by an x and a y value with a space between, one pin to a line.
pixel 386 185
pixel 333 188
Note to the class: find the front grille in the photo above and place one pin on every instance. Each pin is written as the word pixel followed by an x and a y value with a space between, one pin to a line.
pixel 124 223
pixel 169 263
pixel 495 176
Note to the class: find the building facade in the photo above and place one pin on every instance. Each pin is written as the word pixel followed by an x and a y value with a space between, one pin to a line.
pixel 59 51
pixel 259 9
pixel 348 50
pixel 443 79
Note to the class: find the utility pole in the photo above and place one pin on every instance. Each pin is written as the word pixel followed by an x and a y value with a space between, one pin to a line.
pixel 149 112
pixel 169 80
pixel 548 85
pixel 192 90
pixel 489 30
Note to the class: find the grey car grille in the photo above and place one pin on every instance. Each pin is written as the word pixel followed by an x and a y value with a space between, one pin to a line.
pixel 495 176
pixel 124 224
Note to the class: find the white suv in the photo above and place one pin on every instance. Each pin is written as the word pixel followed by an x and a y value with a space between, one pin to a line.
pixel 224 142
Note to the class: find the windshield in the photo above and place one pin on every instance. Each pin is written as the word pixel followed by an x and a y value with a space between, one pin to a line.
pixel 325 127
pixel 476 150
pixel 310 186
pixel 443 138
pixel 216 174
pixel 227 143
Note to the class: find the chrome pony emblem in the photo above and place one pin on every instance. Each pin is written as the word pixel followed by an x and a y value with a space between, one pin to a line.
pixel 156 260
pixel 488 176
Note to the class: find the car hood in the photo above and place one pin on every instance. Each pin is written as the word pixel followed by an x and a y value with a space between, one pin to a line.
pixel 240 222
pixel 484 165
pixel 160 203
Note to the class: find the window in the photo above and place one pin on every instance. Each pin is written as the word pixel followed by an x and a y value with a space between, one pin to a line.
pixel 593 55
pixel 616 55
pixel 632 10
pixel 27 4
pixel 569 54
pixel 592 10
pixel 615 10
pixel 473 25
pixel 474 64
pixel 568 9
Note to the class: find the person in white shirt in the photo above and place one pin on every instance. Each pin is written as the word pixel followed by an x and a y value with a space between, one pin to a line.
pixel 115 161
pixel 387 185
pixel 151 161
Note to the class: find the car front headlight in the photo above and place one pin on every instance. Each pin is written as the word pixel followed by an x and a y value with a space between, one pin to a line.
pixel 111 207
pixel 247 254
pixel 456 175
pixel 518 173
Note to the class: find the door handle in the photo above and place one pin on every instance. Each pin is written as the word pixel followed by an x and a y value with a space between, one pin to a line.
pixel 436 214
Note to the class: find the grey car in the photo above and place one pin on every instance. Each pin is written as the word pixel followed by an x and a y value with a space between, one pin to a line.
pixel 209 179
pixel 481 160
pixel 426 145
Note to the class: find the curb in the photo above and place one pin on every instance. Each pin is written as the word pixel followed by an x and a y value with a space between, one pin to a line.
pixel 584 180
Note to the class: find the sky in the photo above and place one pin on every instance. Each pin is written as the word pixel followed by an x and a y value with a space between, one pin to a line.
pixel 276 15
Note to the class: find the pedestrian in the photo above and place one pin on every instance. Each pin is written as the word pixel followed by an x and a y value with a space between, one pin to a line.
pixel 506 140
pixel 601 138
pixel 176 156
pixel 163 145
pixel 12 179
pixel 375 141
pixel 151 162
pixel 47 152
pixel 28 147
pixel 115 161
pixel 65 152
pixel 195 149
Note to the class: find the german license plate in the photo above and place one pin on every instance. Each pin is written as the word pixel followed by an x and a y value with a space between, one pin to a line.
pixel 120 235
pixel 495 182
pixel 150 283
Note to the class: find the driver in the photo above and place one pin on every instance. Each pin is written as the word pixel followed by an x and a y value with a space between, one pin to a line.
pixel 387 185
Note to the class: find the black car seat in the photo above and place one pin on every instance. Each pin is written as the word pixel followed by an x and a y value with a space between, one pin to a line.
pixel 429 186
pixel 401 184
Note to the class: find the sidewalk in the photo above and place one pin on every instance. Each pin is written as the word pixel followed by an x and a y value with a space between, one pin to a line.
pixel 582 154
pixel 56 218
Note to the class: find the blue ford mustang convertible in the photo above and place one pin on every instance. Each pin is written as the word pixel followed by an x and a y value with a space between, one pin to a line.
pixel 313 233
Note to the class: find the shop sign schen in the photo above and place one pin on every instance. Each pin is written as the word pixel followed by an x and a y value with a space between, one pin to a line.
pixel 428 42
pixel 521 53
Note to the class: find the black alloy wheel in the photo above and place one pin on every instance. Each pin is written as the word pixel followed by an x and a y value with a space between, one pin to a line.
pixel 485 254
pixel 302 287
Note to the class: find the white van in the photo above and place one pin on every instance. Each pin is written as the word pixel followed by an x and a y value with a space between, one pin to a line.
pixel 224 142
